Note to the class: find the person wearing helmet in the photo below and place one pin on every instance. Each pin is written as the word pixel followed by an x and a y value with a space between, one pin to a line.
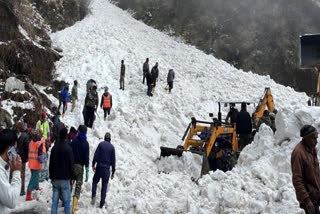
pixel 305 170
pixel 104 157
pixel 106 102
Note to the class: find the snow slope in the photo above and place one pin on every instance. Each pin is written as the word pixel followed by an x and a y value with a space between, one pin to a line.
pixel 261 182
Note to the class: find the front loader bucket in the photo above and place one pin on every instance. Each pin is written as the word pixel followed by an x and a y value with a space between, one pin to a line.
pixel 165 152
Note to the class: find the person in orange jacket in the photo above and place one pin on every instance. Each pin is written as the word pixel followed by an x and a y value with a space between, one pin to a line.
pixel 106 102
pixel 35 158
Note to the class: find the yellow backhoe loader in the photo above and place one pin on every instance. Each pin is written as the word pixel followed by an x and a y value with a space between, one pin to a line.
pixel 215 141
pixel 265 101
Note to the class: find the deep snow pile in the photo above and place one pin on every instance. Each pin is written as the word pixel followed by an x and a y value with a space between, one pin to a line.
pixel 261 182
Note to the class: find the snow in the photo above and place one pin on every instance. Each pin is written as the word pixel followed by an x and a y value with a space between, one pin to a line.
pixel 260 183
pixel 13 83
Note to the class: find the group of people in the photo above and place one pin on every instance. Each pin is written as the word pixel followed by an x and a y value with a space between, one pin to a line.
pixel 68 163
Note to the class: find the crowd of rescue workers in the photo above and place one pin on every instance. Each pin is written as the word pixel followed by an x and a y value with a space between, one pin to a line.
pixel 69 156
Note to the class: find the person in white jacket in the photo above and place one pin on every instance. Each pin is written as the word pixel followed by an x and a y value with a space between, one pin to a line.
pixel 9 193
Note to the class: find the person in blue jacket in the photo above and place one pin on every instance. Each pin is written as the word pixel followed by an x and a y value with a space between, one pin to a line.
pixel 104 157
pixel 64 99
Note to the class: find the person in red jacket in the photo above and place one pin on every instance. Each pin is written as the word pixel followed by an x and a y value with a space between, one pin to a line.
pixel 106 102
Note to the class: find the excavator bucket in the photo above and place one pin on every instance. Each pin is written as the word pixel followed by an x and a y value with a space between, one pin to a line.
pixel 165 151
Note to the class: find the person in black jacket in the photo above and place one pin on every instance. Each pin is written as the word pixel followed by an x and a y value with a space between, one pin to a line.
pixel 80 148
pixel 149 83
pixel 155 74
pixel 61 171
pixel 243 127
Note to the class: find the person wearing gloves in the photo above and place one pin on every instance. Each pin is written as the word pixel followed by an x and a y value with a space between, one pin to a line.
pixel 9 193
pixel 35 158
pixel 104 157
pixel 305 170
pixel 80 148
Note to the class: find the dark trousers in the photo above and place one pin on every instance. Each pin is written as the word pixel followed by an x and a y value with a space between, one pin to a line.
pixel 64 108
pixel 103 174
pixel 89 116
pixel 122 82
pixel 106 111
pixel 244 139
pixel 144 77
pixel 149 90
pixel 316 207
pixel 170 86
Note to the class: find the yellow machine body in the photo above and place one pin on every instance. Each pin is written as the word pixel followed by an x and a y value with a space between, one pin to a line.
pixel 266 101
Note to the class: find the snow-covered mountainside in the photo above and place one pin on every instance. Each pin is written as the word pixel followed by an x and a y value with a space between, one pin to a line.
pixel 260 183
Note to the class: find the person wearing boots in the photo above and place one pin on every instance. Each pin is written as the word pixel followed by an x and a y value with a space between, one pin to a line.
pixel 80 148
pixel 104 157
pixel 106 102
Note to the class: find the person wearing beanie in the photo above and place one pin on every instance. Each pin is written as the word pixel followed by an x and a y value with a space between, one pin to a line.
pixel 106 102
pixel 104 157
pixel 61 172
pixel 80 148
pixel 305 170
pixel 43 124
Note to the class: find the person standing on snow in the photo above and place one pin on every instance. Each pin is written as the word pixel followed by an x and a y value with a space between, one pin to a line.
pixel 305 170
pixel 9 193
pixel 154 74
pixel 22 149
pixel 80 148
pixel 122 74
pixel 64 98
pixel 90 106
pixel 150 84
pixel 44 126
pixel 104 157
pixel 106 102
pixel 243 127
pixel 61 172
pixel 145 69
pixel 35 158
pixel 170 79
pixel 74 95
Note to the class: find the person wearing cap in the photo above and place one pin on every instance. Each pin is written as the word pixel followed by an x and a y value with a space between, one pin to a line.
pixel 104 157
pixel 264 119
pixel 61 172
pixel 9 191
pixel 106 102
pixel 305 170
pixel 122 75
pixel 43 124
pixel 80 148
pixel 74 95
pixel 243 127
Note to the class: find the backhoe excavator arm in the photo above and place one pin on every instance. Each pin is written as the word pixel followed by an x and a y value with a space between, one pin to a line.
pixel 267 100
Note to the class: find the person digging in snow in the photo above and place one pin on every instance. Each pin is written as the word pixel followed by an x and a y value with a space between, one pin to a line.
pixel 305 170
pixel 106 102
pixel 122 74
pixel 104 157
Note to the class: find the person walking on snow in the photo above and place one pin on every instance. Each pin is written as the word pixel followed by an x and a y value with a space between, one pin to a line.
pixel 122 74
pixel 154 74
pixel 305 170
pixel 9 193
pixel 61 172
pixel 106 102
pixel 64 98
pixel 170 79
pixel 74 95
pixel 80 148
pixel 35 158
pixel 104 157
pixel 91 104
pixel 145 69
pixel 44 126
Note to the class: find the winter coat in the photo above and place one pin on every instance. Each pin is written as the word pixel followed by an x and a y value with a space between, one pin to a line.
pixel 23 146
pixel 105 156
pixel 170 76
pixel 103 99
pixel 36 148
pixel 264 119
pixel 243 124
pixel 61 161
pixel 74 92
pixel 232 114
pixel 123 70
pixel 155 72
pixel 92 99
pixel 305 173
pixel 65 95
pixel 146 68
pixel 80 148
pixel 149 78
pixel 10 192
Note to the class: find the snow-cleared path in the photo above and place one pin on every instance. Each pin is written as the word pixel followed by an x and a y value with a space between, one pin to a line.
pixel 94 47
